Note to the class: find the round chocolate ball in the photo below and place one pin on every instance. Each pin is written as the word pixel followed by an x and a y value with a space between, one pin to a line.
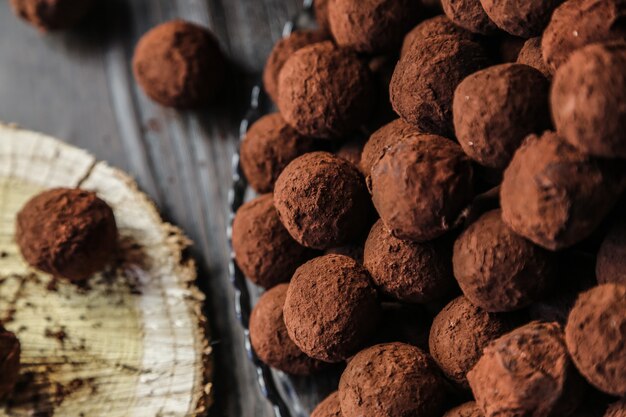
pixel 50 15
pixel 496 108
pixel 611 259
pixel 421 186
pixel 527 372
pixel 532 56
pixel 322 201
pixel 407 271
pixel 423 83
pixel 321 14
pixel 281 52
pixel 523 18
pixel 325 91
pixel 391 380
pixel 577 23
pixel 269 146
pixel 469 409
pixel 588 97
pixel 556 196
pixel 330 407
pixel 10 351
pixel 269 338
pixel 596 337
pixel 435 26
pixel 371 26
pixel 499 270
pixel 69 233
pixel 179 64
pixel 470 15
pixel 617 409
pixel 331 308
pixel 458 335
pixel 263 248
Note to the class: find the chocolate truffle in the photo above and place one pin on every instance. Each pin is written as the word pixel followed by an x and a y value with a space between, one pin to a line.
pixel 324 91
pixel 423 83
pixel 470 15
pixel 50 15
pixel 531 55
pixel 269 337
pixel 179 64
pixel 281 52
pixel 263 248
pixel 407 271
pixel 435 26
pixel 331 307
pixel 68 233
pixel 524 18
pixel 321 14
pixel 371 26
pixel 596 337
pixel 469 409
pixel 496 108
pixel 391 380
pixel 269 146
pixel 421 186
pixel 458 335
pixel 329 407
pixel 499 270
pixel 577 23
pixel 10 351
pixel 588 97
pixel 351 151
pixel 611 260
pixel 527 373
pixel 617 409
pixel 554 195
pixel 322 201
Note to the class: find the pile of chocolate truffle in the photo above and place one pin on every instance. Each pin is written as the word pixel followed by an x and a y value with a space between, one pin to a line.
pixel 440 208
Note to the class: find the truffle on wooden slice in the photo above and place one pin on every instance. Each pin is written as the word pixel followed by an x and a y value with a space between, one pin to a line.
pixel 269 337
pixel 421 186
pixel 532 56
pixel 264 250
pixel 10 351
pixel 469 409
pixel 330 407
pixel 617 409
pixel 577 23
pixel 423 83
pixel 179 64
pixel 325 91
pixel 523 18
pixel 470 15
pixel 51 15
pixel 435 26
pixel 556 196
pixel 268 147
pixel 496 108
pixel 588 96
pixel 596 337
pixel 69 233
pixel 611 259
pixel 322 200
pixel 331 308
pixel 392 380
pixel 527 372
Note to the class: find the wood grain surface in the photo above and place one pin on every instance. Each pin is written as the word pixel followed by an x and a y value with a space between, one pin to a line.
pixel 78 86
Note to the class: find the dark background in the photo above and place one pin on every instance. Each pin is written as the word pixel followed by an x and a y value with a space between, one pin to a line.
pixel 78 86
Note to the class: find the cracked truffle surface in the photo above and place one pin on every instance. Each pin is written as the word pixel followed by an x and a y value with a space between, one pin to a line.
pixel 496 108
pixel 69 233
pixel 469 409
pixel 331 308
pixel 596 337
pixel 531 55
pixel 264 250
pixel 611 259
pixel 523 18
pixel 527 372
pixel 322 201
pixel 423 83
pixel 435 26
pixel 50 15
pixel 325 91
pixel 470 15
pixel 269 337
pixel 420 187
pixel 588 97
pixel 179 64
pixel 269 146
pixel 10 351
pixel 329 407
pixel 391 380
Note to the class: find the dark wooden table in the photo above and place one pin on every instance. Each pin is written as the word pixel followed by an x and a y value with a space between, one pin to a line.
pixel 78 86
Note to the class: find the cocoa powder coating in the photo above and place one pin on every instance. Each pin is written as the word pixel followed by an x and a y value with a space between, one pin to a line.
pixel 496 108
pixel 179 64
pixel 354 251
pixel 532 56
pixel 50 15
pixel 470 15
pixel 617 409
pixel 523 18
pixel 10 351
pixel 391 380
pixel 596 337
pixel 611 259
pixel 269 146
pixel 263 248
pixel 331 308
pixel 329 407
pixel 469 409
pixel 435 26
pixel 69 233
pixel 325 91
